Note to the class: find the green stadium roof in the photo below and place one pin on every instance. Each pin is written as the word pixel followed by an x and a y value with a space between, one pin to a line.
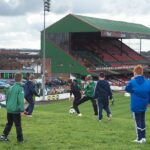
pixel 108 28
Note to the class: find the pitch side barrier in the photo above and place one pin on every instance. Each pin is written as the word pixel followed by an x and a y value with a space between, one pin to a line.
pixel 120 67
pixel 65 96
pixel 54 97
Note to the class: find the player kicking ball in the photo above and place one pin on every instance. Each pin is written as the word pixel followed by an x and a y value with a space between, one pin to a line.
pixel 76 91
pixel 89 93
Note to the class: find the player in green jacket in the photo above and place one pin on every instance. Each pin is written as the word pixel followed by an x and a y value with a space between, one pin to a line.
pixel 89 93
pixel 14 106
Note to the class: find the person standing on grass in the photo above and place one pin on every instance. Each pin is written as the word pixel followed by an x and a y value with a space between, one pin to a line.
pixel 75 89
pixel 103 93
pixel 30 92
pixel 89 93
pixel 14 106
pixel 139 88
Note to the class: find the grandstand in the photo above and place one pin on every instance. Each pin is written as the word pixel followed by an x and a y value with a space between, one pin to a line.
pixel 14 60
pixel 80 44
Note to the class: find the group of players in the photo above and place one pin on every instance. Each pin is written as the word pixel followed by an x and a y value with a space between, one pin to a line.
pixel 98 93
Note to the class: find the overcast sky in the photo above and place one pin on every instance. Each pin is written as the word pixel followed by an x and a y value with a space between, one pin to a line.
pixel 22 20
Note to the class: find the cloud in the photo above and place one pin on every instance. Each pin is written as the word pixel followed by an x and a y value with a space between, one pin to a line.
pixel 19 7
pixel 23 31
pixel 128 7
pixel 22 20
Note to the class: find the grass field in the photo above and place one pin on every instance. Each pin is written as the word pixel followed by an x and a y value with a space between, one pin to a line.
pixel 53 128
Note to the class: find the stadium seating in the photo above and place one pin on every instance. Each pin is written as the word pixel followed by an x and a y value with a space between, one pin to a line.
pixel 92 51
pixel 106 52
pixel 131 53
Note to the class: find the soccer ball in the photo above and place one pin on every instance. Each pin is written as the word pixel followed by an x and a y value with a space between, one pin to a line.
pixel 72 111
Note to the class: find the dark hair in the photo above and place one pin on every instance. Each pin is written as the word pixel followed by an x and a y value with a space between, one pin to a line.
pixel 70 81
pixel 101 75
pixel 75 80
pixel 27 76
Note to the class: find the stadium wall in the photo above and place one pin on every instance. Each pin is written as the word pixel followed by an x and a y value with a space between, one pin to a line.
pixel 61 62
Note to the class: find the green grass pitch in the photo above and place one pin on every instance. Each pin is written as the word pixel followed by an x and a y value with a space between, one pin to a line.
pixel 53 128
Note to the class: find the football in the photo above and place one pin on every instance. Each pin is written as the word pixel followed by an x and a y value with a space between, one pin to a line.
pixel 72 111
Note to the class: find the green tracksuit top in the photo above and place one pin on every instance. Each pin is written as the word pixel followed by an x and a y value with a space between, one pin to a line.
pixel 15 99
pixel 89 89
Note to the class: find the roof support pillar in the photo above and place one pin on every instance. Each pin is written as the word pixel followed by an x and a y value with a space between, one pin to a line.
pixel 140 46
pixel 121 47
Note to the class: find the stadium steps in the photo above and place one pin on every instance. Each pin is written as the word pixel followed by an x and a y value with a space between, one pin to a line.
pixel 105 51
pixel 117 44
pixel 135 55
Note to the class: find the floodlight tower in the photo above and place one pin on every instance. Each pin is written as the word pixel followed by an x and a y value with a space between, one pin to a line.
pixel 46 9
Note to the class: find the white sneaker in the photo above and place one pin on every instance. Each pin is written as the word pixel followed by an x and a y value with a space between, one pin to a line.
pixel 110 117
pixel 80 115
pixel 137 141
pixel 143 140
pixel 3 138
pixel 30 116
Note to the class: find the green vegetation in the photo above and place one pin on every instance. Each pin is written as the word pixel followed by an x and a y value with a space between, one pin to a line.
pixel 145 53
pixel 53 128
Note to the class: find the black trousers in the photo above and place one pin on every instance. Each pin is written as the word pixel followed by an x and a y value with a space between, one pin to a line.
pixel 16 119
pixel 30 107
pixel 75 103
pixel 86 98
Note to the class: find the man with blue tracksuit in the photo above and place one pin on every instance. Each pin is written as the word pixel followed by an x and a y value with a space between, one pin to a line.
pixel 29 90
pixel 139 88
pixel 103 94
